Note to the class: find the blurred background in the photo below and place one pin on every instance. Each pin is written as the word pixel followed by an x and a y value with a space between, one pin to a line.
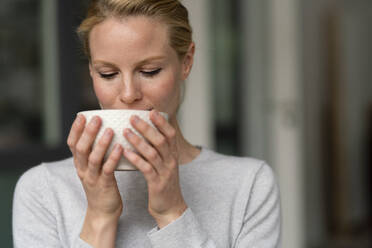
pixel 287 81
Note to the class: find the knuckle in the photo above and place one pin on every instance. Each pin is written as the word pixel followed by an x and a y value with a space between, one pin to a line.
pixel 147 169
pixel 172 163
pixel 161 121
pixel 75 125
pixel 113 158
pixel 79 172
pixel 89 181
pixel 106 171
pixel 172 133
pixel 82 149
pixel 76 165
pixel 153 155
pixel 70 143
pixel 80 175
pixel 167 175
pixel 93 159
pixel 72 129
pixel 161 141
pixel 110 160
pixel 76 129
pixel 136 159
pixel 72 150
pixel 136 141
pixel 91 129
pixel 103 142
pixel 144 127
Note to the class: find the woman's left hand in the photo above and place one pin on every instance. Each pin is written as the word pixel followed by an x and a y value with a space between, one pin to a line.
pixel 158 161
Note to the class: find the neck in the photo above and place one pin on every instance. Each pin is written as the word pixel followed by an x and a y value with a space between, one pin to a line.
pixel 187 152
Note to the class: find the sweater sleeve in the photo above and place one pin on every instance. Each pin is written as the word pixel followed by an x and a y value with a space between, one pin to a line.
pixel 34 221
pixel 184 232
pixel 262 218
pixel 260 225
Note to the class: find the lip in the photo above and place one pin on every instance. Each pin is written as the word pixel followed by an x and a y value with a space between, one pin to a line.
pixel 140 109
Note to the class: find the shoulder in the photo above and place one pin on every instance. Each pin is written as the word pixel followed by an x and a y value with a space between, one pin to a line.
pixel 233 172
pixel 254 180
pixel 236 166
pixel 38 178
pixel 62 169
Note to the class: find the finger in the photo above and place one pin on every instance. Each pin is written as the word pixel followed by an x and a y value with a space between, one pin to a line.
pixel 147 170
pixel 112 161
pixel 145 149
pixel 167 130
pixel 96 157
pixel 84 145
pixel 163 125
pixel 75 132
pixel 152 135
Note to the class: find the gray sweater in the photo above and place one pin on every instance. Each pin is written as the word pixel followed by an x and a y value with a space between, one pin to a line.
pixel 232 202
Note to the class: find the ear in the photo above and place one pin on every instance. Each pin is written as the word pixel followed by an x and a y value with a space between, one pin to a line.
pixel 90 70
pixel 188 61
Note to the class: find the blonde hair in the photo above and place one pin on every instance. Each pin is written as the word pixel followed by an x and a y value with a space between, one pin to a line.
pixel 171 12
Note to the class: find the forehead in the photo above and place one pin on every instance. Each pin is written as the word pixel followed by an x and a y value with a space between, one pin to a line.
pixel 132 38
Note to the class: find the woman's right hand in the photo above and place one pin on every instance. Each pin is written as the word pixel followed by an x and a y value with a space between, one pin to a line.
pixel 96 175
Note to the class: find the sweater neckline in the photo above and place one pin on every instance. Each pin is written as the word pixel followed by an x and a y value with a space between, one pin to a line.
pixel 201 156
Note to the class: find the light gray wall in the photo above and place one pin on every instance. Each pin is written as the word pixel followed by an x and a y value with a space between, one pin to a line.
pixel 196 113
pixel 273 100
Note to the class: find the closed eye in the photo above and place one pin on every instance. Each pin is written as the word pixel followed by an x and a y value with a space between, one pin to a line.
pixel 151 73
pixel 108 75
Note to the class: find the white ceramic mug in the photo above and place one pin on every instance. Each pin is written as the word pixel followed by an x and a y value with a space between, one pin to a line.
pixel 118 120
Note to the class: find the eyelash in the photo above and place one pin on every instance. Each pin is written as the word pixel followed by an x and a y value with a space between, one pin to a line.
pixel 108 76
pixel 145 73
pixel 151 73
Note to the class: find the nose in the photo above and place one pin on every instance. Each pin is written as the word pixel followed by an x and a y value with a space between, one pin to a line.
pixel 130 92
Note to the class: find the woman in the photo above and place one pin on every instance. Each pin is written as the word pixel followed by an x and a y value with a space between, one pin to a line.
pixel 140 53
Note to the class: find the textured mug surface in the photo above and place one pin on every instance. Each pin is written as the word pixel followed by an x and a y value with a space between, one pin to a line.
pixel 118 120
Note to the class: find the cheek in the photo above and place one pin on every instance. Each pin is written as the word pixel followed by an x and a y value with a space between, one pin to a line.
pixel 166 92
pixel 104 94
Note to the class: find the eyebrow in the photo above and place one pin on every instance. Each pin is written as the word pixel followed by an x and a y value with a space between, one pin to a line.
pixel 99 62
pixel 142 62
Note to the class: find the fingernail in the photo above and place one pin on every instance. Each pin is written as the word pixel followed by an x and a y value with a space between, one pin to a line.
pixel 129 133
pixel 127 150
pixel 117 148
pixel 79 119
pixel 135 119
pixel 156 114
pixel 95 120
pixel 107 133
